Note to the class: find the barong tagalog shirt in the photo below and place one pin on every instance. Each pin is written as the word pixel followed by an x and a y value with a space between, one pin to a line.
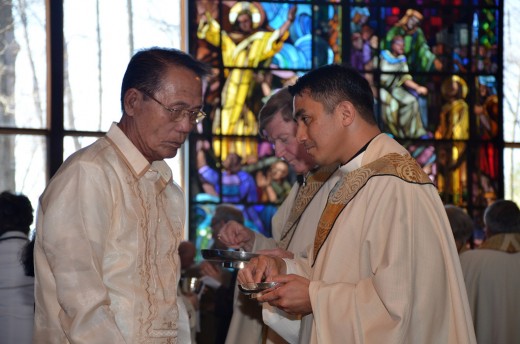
pixel 385 268
pixel 107 268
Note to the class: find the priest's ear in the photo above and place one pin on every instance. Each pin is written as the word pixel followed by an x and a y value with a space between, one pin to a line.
pixel 347 111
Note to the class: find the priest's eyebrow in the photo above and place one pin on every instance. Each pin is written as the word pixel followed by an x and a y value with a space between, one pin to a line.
pixel 298 114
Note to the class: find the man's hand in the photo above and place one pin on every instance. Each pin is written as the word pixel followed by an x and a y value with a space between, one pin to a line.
pixel 291 297
pixel 193 299
pixel 235 235
pixel 208 269
pixel 261 268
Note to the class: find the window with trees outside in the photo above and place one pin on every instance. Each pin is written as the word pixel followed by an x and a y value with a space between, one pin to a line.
pixel 445 75
pixel 60 78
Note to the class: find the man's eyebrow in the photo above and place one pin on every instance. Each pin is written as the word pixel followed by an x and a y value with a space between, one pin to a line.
pixel 298 114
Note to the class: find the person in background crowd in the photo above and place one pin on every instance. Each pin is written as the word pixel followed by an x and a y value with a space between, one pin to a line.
pixel 461 226
pixel 187 253
pixel 383 267
pixel 216 300
pixel 293 224
pixel 492 275
pixel 16 286
pixel 111 219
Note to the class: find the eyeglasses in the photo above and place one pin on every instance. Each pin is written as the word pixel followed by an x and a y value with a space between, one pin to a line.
pixel 177 115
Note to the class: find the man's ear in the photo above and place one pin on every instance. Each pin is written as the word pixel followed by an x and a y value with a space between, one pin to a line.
pixel 131 100
pixel 347 111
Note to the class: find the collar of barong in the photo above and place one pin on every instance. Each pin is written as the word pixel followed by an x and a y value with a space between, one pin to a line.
pixel 401 166
pixel 505 242
pixel 306 193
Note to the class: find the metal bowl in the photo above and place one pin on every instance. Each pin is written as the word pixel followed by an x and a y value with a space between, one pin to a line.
pixel 233 265
pixel 190 285
pixel 255 288
pixel 228 255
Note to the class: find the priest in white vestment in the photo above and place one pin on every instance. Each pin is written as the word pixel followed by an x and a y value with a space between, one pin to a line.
pixel 492 276
pixel 383 267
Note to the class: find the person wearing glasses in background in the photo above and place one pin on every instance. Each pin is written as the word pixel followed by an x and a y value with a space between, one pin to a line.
pixel 111 219
pixel 294 224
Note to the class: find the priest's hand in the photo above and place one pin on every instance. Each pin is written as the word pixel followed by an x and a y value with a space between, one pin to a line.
pixel 292 296
pixel 261 268
pixel 236 235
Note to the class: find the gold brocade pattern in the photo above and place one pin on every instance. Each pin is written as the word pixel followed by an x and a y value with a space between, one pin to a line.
pixel 305 195
pixel 506 242
pixel 401 166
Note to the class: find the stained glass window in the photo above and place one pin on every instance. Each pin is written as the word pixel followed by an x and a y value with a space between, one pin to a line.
pixel 435 68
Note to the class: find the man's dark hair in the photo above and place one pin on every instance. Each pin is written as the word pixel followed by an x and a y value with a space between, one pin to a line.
pixel 460 222
pixel 16 213
pixel 502 216
pixel 147 67
pixel 334 83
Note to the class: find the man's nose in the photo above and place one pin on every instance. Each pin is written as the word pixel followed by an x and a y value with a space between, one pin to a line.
pixel 279 150
pixel 301 133
pixel 185 125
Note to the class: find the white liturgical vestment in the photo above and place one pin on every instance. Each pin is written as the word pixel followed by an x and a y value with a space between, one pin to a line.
pixel 246 324
pixel 388 270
